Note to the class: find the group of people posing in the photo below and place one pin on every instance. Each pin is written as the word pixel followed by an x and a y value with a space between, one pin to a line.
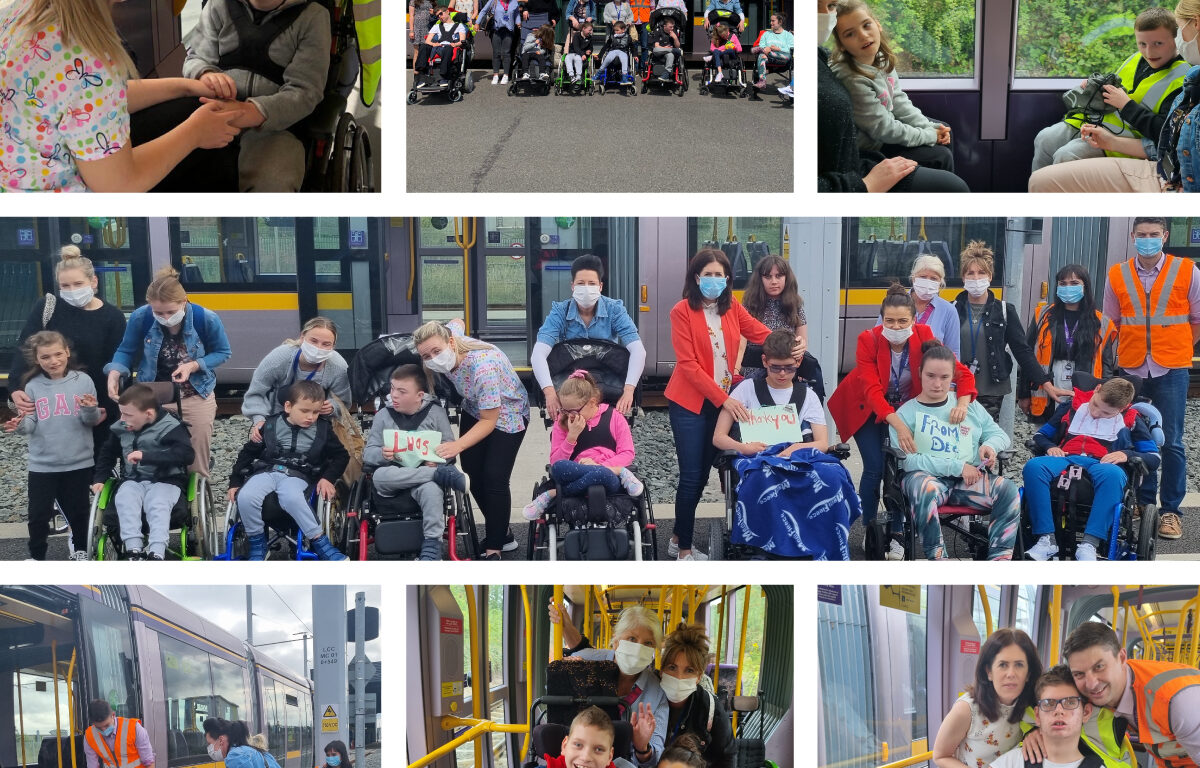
pixel 930 379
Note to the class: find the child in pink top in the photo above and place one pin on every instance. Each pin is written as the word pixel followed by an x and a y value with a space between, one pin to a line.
pixel 725 47
pixel 590 444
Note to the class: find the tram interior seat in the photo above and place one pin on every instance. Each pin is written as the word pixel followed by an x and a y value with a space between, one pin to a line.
pixel 48 753
pixel 192 273
pixel 725 682
pixel 179 743
pixel 751 752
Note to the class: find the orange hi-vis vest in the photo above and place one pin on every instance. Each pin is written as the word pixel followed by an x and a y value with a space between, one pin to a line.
pixel 1154 684
pixel 123 753
pixel 641 10
pixel 1154 323
pixel 1044 349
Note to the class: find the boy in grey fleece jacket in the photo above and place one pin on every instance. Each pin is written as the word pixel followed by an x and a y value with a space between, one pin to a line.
pixel 280 368
pixel 413 409
pixel 268 59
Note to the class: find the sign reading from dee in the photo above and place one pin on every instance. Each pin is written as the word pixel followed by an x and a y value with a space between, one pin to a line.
pixel 942 439
pixel 413 447
pixel 772 424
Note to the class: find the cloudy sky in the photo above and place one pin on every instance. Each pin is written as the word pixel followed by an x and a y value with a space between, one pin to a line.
pixel 280 611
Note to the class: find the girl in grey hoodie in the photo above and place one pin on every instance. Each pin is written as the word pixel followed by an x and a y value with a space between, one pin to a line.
pixel 887 120
pixel 60 440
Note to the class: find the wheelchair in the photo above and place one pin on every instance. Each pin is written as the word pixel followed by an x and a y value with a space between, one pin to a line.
pixel 587 82
pixel 609 78
pixel 968 526
pixel 283 535
pixel 192 514
pixel 656 73
pixel 733 82
pixel 572 686
pixel 774 67
pixel 520 84
pixel 459 82
pixel 393 525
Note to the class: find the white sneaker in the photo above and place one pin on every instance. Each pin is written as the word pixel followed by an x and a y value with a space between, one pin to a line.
pixel 720 76
pixel 1046 548
pixel 895 550
pixel 695 554
pixel 524 75
pixel 504 80
pixel 1085 551
pixel 79 557
pixel 785 90
pixel 673 548
pixel 496 79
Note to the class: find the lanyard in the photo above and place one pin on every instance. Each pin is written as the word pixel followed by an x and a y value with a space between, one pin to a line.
pixel 1069 334
pixel 897 371
pixel 296 368
pixel 973 331
pixel 923 318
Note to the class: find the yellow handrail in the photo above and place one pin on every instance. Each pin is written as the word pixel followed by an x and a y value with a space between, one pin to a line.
pixel 476 664
pixel 587 613
pixel 921 758
pixel 460 239
pixel 987 608
pixel 477 729
pixel 662 602
pixel 412 256
pixel 1055 621
pixel 57 718
pixel 528 663
pixel 71 706
pixel 737 681
pixel 556 629
pixel 720 637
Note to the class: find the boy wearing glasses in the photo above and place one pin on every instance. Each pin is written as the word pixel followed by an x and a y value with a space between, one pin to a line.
pixel 1061 712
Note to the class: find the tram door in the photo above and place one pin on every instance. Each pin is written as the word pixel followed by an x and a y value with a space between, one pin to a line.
pixel 25 274
pixel 119 248
pixel 338 275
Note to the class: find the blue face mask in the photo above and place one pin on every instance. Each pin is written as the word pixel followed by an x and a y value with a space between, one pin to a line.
pixel 333 761
pixel 712 287
pixel 110 730
pixel 1148 246
pixel 1070 294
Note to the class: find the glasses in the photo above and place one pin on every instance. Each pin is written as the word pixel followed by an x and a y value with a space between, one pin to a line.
pixel 1070 702
pixel 781 368
pixel 573 411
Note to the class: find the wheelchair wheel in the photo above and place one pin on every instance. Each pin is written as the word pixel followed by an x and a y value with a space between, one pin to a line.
pixel 1147 544
pixel 717 536
pixel 465 530
pixel 600 89
pixel 348 537
pixel 96 525
pixel 536 531
pixel 876 539
pixel 332 521
pixel 551 541
pixel 58 523
pixel 198 534
pixel 649 529
pixel 412 97
pixel 239 545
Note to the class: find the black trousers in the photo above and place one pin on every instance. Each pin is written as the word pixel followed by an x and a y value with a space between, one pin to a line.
pixel 204 170
pixel 70 490
pixel 938 156
pixel 448 56
pixel 489 464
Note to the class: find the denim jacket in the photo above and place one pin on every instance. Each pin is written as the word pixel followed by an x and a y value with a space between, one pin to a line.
pixel 506 18
pixel 210 352
pixel 590 4
pixel 724 5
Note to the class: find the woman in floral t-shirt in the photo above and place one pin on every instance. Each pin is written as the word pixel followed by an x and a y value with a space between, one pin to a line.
pixel 495 411
pixel 985 722
pixel 65 100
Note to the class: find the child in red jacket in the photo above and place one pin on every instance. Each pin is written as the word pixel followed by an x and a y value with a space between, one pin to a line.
pixel 589 743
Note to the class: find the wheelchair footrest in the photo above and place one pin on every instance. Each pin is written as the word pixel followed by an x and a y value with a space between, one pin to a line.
pixel 399 537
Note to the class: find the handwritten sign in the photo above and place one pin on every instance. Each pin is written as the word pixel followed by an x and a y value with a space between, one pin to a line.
pixel 772 424
pixel 944 440
pixel 412 448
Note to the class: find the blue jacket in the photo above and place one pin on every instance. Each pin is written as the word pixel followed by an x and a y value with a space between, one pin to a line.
pixel 144 337
pixel 724 5
pixel 249 757
pixel 652 696
pixel 1187 149
pixel 505 18
pixel 802 506
pixel 591 8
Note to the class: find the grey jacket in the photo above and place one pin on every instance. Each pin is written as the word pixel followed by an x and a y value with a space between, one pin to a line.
pixel 166 450
pixel 882 110
pixel 436 420
pixel 302 49
pixel 275 371
pixel 60 428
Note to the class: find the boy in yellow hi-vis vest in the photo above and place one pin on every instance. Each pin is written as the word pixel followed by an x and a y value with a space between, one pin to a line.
pixel 1150 81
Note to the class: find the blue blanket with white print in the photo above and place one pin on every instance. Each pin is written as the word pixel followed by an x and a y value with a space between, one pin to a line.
pixel 801 506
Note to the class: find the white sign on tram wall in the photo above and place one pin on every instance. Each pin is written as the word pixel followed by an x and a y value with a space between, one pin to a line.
pixel 330 686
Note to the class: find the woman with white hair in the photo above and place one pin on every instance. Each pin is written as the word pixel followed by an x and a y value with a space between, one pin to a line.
pixel 635 639
pixel 928 276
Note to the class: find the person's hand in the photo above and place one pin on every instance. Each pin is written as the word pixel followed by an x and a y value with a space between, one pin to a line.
pixel 799 348
pixel 1097 136
pixel 245 114
pixel 12 424
pixel 943 134
pixel 555 612
pixel 114 384
pixel 134 457
pixel 750 449
pixel 256 432
pixel 1056 451
pixel 591 462
pixel 907 444
pixel 88 401
pixel 643 726
pixel 325 489
pixel 524 15
pixel 1024 404
pixel 575 425
pixel 1031 746
pixel 211 127
pixel 957 414
pixel 1056 393
pixel 735 409
pixel 96 487
pixel 220 85
pixel 552 405
pixel 184 370
pixel 887 173
pixel 23 402
pixel 625 404
pixel 742 26
pixel 987 454
pixel 388 454
pixel 326 408
pixel 449 450
pixel 1115 97
pixel 1116 457
pixel 411 35
pixel 970 474
pixel 232 494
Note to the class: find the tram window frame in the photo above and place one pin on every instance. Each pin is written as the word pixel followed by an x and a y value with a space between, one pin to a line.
pixel 249 229
pixel 133 257
pixel 968 228
pixel 926 80
pixel 95 615
pixel 276 730
pixel 694 238
pixel 204 660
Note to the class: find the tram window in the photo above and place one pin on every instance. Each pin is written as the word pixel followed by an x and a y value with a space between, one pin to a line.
pixel 210 250
pixel 37 708
pixel 505 257
pixel 1184 236
pixel 291 708
pixel 229 689
pixel 879 249
pixel 1101 37
pixel 720 231
pixel 306 731
pixel 110 649
pixel 1026 609
pixel 977 613
pixel 272 713
pixel 196 685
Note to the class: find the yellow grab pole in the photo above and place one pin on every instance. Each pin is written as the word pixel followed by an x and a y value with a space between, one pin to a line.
pixel 528 664
pixel 1192 655
pixel 412 256
pixel 676 605
pixel 21 716
pixel 1125 626
pixel 737 682
pixel 476 666
pixel 460 239
pixel 476 730
pixel 720 636
pixel 57 719
pixel 603 626
pixel 662 597
pixel 1116 603
pixel 1056 621
pixel 987 610
pixel 556 629
pixel 587 613
pixel 71 705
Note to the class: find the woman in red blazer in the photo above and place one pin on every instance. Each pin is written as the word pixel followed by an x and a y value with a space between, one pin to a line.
pixel 884 377
pixel 707 328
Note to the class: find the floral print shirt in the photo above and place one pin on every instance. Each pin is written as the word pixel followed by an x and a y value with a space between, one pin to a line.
pixel 486 380
pixel 59 105
pixel 986 741
pixel 721 373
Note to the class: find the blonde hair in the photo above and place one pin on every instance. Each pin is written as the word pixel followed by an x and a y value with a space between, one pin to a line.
pixel 929 261
pixel 86 23
pixel 885 59
pixel 462 344
pixel 638 616
pixel 580 384
pixel 166 287
pixel 316 322
pixel 692 640
pixel 70 258
pixel 1189 10
pixel 977 254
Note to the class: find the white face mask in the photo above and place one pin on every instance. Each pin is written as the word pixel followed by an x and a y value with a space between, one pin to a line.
pixel 977 287
pixel 678 689
pixel 172 321
pixel 586 296
pixel 825 26
pixel 897 335
pixel 924 288
pixel 442 362
pixel 77 297
pixel 215 753
pixel 314 354
pixel 1190 51
pixel 633 657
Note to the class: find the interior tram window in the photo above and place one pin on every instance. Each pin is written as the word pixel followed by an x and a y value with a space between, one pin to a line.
pixel 110 649
pixel 236 250
pixel 1099 39
pixel 273 715
pixel 977 614
pixel 1185 236
pixel 930 40
pixel 879 249
pixel 1026 609
pixel 744 239
pixel 197 686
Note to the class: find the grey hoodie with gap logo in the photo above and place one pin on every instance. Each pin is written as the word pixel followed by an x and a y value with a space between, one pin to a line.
pixel 60 429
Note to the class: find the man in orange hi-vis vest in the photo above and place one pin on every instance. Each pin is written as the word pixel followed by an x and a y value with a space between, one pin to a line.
pixel 1154 300
pixel 115 742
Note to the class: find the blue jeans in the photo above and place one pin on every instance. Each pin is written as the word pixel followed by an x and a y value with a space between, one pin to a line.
pixel 693 433
pixel 576 478
pixel 869 439
pixel 1169 394
pixel 1108 480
